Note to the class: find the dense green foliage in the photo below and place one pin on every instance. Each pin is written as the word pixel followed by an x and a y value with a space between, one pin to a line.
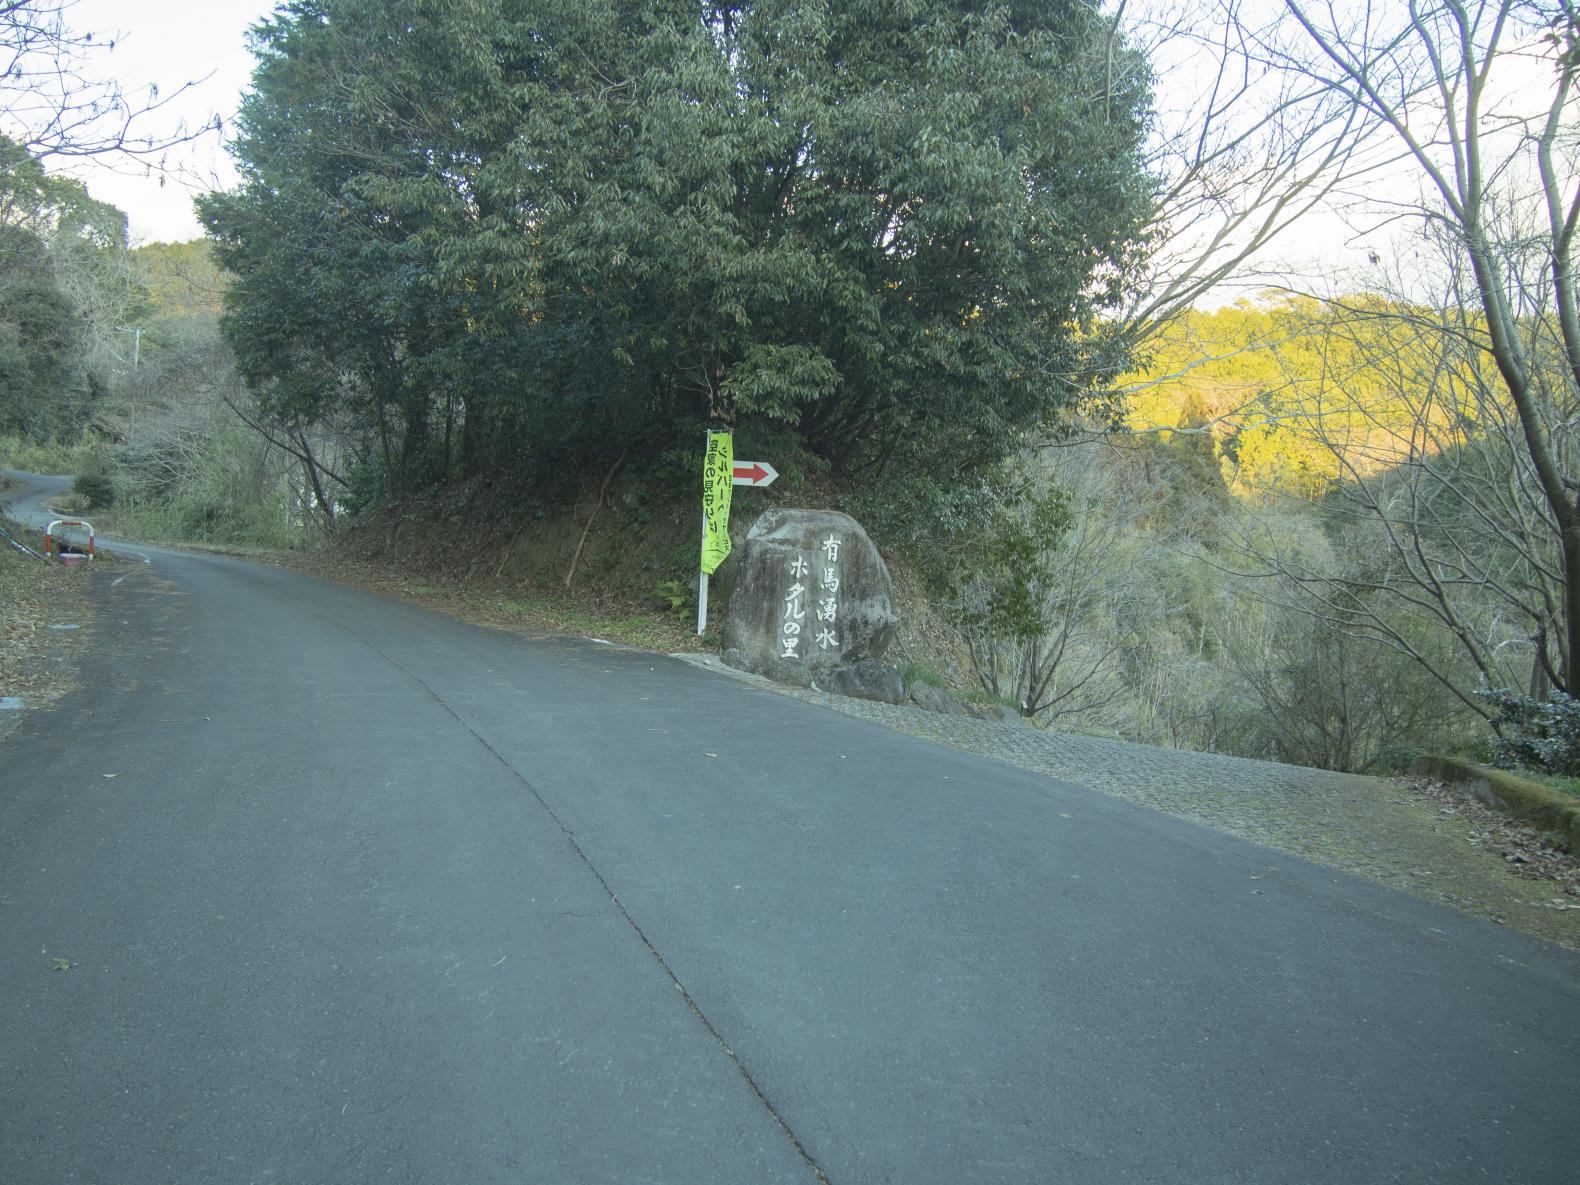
pixel 513 238
pixel 1535 734
pixel 549 242
pixel 56 244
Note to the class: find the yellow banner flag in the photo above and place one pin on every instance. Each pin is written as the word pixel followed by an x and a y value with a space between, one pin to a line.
pixel 718 476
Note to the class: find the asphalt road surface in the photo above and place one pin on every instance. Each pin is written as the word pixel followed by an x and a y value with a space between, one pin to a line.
pixel 348 892
pixel 28 496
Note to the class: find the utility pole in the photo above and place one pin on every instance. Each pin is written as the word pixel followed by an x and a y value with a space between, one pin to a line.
pixel 137 356
pixel 137 343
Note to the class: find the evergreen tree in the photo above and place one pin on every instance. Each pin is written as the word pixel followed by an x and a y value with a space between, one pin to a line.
pixel 887 228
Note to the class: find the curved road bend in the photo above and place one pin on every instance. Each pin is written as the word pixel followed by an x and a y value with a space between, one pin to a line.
pixel 373 895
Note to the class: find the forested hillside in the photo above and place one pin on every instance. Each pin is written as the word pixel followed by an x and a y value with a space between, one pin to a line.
pixel 112 365
pixel 61 292
pixel 1296 394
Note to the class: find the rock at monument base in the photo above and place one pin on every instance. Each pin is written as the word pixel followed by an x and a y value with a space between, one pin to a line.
pixel 866 678
pixel 937 699
pixel 813 595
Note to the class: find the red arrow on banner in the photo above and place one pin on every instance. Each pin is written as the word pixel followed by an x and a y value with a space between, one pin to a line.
pixel 753 473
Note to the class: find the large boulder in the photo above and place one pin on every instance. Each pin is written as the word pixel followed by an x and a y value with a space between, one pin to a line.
pixel 813 594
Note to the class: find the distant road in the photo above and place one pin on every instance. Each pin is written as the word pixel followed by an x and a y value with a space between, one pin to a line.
pixel 307 885
pixel 32 498
pixel 29 495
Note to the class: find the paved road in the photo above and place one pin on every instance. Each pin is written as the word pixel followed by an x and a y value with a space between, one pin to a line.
pixel 27 496
pixel 374 895
pixel 1377 828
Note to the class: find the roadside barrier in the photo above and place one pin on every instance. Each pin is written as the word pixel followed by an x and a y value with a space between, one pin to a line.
pixel 56 544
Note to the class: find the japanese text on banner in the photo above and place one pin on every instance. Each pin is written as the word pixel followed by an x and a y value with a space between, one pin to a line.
pixel 717 475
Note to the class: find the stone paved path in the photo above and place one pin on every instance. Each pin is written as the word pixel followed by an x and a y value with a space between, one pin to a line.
pixel 1372 827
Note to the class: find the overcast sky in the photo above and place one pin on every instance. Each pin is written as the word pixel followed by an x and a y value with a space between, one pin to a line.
pixel 168 42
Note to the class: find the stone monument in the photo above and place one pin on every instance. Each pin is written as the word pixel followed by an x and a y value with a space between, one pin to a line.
pixel 813 606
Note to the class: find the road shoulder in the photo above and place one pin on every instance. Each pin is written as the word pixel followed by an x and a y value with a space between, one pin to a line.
pixel 1418 837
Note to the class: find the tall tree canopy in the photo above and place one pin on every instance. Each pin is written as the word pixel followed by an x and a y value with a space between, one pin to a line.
pixel 885 227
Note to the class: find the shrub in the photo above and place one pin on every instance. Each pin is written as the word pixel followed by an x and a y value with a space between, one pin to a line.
pixel 677 596
pixel 95 490
pixel 1541 734
pixel 915 672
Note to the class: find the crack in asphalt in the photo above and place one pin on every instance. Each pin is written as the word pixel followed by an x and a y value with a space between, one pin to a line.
pixel 614 898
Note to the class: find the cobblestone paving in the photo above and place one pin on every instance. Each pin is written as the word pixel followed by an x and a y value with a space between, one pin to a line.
pixel 1372 827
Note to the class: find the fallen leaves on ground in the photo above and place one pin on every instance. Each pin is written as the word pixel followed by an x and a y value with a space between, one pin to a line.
pixel 1529 853
pixel 32 596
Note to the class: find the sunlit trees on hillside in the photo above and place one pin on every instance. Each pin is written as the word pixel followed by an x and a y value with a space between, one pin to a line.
pixel 1420 423
pixel 1294 394
pixel 1433 416
pixel 1439 496
pixel 1478 527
